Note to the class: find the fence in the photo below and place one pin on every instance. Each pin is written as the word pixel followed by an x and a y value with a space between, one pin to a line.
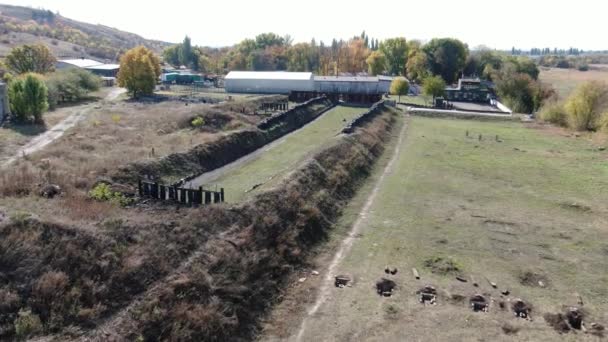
pixel 179 195
pixel 291 113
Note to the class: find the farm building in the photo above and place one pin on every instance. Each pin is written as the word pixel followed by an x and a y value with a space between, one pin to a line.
pixel 470 90
pixel 268 82
pixel 96 67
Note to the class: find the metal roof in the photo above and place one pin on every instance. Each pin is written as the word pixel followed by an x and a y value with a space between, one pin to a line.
pixel 81 62
pixel 104 67
pixel 269 75
pixel 346 78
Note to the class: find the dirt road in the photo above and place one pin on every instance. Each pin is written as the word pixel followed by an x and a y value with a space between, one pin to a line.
pixel 59 129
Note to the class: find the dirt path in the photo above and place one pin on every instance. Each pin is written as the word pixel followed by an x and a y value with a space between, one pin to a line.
pixel 58 130
pixel 344 248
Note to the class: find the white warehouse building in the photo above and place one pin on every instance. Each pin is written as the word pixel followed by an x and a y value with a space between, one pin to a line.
pixel 268 82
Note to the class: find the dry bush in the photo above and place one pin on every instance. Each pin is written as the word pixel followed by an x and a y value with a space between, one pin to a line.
pixel 554 112
pixel 18 181
pixel 588 106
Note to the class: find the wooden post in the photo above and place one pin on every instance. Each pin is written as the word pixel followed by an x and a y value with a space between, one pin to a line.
pixel 415 272
pixel 222 194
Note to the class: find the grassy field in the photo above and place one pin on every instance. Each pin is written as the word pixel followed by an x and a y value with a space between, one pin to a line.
pixel 282 156
pixel 566 80
pixel 527 211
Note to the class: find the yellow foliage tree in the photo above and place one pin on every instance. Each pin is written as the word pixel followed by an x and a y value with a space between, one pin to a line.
pixel 400 86
pixel 139 71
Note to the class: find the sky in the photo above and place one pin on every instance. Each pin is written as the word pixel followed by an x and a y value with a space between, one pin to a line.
pixel 496 24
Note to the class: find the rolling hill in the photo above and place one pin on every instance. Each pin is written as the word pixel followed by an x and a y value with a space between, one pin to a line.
pixel 65 37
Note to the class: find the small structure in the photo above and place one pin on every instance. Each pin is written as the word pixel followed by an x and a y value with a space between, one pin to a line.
pixel 268 82
pixel 96 67
pixel 471 90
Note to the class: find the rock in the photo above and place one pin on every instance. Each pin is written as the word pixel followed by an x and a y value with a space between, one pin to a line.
pixel 301 280
pixel 50 190
pixel 315 273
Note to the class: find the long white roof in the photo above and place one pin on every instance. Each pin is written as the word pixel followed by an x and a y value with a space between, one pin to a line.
pixel 81 62
pixel 269 75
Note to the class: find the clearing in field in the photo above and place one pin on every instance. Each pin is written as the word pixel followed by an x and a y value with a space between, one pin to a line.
pixel 267 165
pixel 519 207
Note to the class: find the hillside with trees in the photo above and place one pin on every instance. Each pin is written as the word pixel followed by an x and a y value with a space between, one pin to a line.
pixel 66 37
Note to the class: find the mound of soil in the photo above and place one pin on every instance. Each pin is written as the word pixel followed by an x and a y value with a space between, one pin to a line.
pixel 533 279
pixel 385 287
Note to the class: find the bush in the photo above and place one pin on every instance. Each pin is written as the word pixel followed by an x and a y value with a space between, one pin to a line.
pixel 27 324
pixel 28 98
pixel 70 85
pixel 198 122
pixel 103 192
pixel 587 107
pixel 554 113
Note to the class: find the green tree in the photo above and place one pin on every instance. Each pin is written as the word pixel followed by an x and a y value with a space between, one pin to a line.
pixel 395 50
pixel 28 98
pixel 417 66
pixel 376 63
pixel 139 71
pixel 185 53
pixel 30 58
pixel 70 85
pixel 264 40
pixel 447 57
pixel 433 86
pixel 171 55
pixel 399 86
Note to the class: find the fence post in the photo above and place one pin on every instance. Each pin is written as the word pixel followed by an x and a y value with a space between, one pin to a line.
pixel 200 194
pixel 222 195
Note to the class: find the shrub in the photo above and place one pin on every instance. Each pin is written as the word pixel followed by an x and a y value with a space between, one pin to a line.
pixel 587 106
pixel 198 122
pixel 70 85
pixel 103 192
pixel 554 113
pixel 28 98
pixel 27 324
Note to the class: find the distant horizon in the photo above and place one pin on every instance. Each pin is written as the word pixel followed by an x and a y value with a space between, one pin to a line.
pixel 171 25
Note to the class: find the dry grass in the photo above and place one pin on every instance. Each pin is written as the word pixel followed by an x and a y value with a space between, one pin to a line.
pixel 566 80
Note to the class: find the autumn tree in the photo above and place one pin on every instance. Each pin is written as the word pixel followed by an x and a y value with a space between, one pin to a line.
pixel 587 107
pixel 447 57
pixel 28 98
pixel 30 58
pixel 395 50
pixel 433 86
pixel 376 63
pixel 139 71
pixel 399 86
pixel 417 66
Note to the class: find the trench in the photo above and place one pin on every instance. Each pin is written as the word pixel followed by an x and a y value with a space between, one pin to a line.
pixel 268 165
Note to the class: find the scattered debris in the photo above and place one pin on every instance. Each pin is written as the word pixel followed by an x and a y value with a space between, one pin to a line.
pixel 314 273
pixel 473 281
pixel 572 318
pixel 579 299
pixel 505 292
pixel 493 284
pixel 521 309
pixel 464 280
pixel 301 280
pixel 576 206
pixel 415 272
pixel 50 191
pixel 533 279
pixel 342 281
pixel 393 271
pixel 428 295
pixel 479 303
pixel 557 321
pixel 385 287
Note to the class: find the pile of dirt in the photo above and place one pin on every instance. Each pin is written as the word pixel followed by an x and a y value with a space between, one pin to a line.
pixel 521 309
pixel 479 303
pixel 570 319
pixel 385 287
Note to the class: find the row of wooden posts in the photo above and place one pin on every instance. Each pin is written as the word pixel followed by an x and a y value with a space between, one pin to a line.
pixel 179 195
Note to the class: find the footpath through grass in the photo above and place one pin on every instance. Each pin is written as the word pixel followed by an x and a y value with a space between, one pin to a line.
pixel 282 156
pixel 528 211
